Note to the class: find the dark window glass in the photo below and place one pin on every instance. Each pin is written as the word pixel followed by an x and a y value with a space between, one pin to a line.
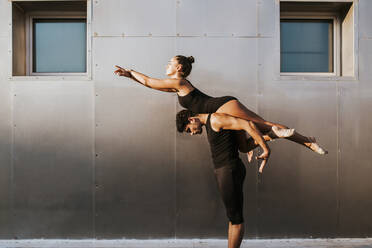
pixel 59 45
pixel 306 45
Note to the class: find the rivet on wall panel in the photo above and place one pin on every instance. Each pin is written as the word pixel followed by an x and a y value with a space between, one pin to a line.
pixel 150 34
pixel 178 34
pixel 95 34
pixel 205 34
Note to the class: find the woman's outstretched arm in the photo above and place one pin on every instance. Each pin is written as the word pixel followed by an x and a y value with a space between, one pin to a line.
pixel 167 85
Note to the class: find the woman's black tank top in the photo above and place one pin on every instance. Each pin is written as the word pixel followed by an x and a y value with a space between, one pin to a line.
pixel 223 145
pixel 198 102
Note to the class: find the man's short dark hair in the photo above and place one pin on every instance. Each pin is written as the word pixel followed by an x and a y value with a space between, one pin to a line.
pixel 182 119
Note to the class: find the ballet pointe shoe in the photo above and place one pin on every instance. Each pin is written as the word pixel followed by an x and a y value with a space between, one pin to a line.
pixel 283 132
pixel 315 147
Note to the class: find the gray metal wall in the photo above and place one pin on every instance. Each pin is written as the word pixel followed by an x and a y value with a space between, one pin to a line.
pixel 101 158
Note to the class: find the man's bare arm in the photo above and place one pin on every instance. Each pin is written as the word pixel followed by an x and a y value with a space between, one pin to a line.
pixel 228 122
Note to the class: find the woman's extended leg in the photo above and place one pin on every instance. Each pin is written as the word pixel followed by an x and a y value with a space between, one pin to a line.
pixel 235 108
pixel 250 145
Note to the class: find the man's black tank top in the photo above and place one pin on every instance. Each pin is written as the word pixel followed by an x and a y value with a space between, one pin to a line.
pixel 201 103
pixel 223 145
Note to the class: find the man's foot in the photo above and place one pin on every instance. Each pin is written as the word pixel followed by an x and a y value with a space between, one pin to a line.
pixel 282 132
pixel 315 147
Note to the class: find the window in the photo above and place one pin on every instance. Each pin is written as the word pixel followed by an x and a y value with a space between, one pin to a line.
pixel 50 38
pixel 316 38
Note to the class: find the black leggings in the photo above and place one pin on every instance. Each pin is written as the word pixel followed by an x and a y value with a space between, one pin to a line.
pixel 230 179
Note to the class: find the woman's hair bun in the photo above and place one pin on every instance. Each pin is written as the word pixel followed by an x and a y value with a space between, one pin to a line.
pixel 191 59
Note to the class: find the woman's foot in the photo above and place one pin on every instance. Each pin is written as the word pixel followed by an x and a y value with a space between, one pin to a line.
pixel 315 147
pixel 283 132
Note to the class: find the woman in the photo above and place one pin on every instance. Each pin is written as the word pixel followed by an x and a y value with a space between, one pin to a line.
pixel 177 70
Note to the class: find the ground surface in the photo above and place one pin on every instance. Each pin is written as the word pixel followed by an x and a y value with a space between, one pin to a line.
pixel 186 243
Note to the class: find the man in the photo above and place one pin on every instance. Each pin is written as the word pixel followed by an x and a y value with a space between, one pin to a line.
pixel 229 169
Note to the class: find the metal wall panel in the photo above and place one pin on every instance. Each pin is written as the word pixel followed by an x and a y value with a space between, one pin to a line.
pixel 53 144
pixel 365 18
pixel 267 17
pixel 5 143
pixel 217 18
pixel 149 55
pixel 191 17
pixel 355 163
pixel 134 164
pixel 355 147
pixel 135 130
pixel 200 211
pixel 365 61
pixel 5 17
pixel 128 17
pixel 267 56
pixel 299 184
pixel 4 62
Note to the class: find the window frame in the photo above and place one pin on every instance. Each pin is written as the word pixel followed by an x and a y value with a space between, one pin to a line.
pixel 29 41
pixel 336 41
pixel 60 77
